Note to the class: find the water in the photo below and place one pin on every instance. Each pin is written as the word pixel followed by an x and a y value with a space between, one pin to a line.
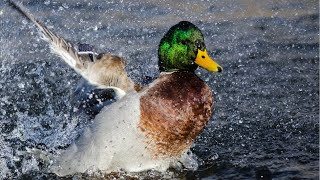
pixel 265 123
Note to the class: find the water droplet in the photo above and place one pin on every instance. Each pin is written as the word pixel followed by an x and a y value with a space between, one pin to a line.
pixel 47 2
pixel 65 5
pixel 21 85
pixel 24 22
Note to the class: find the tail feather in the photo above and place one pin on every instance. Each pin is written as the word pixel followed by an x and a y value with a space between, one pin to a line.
pixel 58 45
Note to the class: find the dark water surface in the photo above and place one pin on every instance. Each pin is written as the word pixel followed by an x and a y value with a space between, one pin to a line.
pixel 266 119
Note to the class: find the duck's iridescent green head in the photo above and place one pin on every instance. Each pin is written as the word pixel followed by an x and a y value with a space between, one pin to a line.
pixel 183 48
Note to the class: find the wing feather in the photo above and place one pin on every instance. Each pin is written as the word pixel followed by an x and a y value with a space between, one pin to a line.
pixel 58 45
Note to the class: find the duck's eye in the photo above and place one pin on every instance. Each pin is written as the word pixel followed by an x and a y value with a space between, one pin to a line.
pixel 198 45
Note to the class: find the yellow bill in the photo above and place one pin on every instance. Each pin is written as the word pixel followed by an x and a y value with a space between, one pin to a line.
pixel 203 60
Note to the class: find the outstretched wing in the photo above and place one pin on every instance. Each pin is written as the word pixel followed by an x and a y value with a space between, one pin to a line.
pixel 79 61
pixel 104 71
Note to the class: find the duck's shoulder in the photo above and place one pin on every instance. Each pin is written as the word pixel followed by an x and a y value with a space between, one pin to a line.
pixel 174 110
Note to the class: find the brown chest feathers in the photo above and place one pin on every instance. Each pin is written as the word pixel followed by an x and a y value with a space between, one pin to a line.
pixel 173 112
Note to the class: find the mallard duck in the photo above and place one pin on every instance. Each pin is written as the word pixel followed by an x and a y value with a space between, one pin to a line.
pixel 155 127
pixel 103 73
pixel 152 128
